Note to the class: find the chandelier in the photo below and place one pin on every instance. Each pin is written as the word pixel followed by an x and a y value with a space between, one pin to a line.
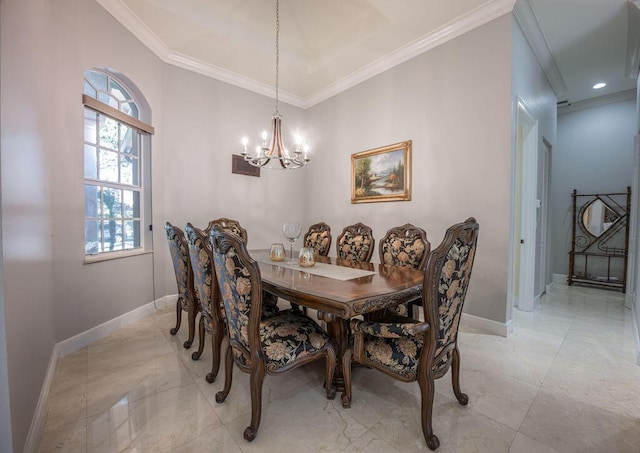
pixel 274 155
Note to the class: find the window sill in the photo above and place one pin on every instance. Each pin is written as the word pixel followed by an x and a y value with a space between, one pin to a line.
pixel 90 259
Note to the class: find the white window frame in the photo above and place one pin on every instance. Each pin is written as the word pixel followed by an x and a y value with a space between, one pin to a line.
pixel 144 175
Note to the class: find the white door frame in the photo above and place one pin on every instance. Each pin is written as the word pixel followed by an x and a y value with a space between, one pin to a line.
pixel 544 212
pixel 523 212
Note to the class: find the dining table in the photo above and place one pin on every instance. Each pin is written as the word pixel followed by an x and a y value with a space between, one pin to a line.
pixel 339 290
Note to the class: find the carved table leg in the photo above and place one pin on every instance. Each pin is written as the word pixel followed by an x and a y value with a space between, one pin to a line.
pixel 338 330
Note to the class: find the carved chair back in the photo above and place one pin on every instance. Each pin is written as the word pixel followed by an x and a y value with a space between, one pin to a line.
pixel 405 246
pixel 181 264
pixel 445 287
pixel 201 257
pixel 230 225
pixel 356 243
pixel 318 237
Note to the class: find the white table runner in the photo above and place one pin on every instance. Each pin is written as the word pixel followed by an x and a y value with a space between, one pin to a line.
pixel 320 269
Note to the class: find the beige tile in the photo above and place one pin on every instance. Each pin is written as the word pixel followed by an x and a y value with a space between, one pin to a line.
pixel 574 426
pixel 67 438
pixel 459 429
pixel 369 443
pixel 160 422
pixel 525 444
pixel 503 398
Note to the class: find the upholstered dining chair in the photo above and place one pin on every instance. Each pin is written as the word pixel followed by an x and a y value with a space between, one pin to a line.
pixel 356 243
pixel 318 237
pixel 408 350
pixel 405 246
pixel 272 346
pixel 211 314
pixel 187 299
pixel 211 311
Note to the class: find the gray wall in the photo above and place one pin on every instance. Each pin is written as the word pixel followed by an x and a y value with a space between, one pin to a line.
pixel 594 155
pixel 26 205
pixel 454 103
pixel 529 83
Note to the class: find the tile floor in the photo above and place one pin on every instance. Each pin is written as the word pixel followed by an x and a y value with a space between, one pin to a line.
pixel 565 381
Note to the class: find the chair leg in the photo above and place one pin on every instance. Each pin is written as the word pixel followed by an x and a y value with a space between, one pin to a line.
pixel 257 378
pixel 216 342
pixel 228 376
pixel 331 369
pixel 192 326
pixel 346 374
pixel 427 392
pixel 174 330
pixel 463 398
pixel 201 334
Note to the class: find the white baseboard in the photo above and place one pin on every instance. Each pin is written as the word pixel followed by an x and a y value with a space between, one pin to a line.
pixel 166 301
pixel 40 414
pixel 560 279
pixel 549 287
pixel 487 325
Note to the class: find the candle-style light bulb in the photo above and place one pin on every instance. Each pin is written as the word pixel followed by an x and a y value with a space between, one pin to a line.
pixel 245 142
pixel 264 138
pixel 306 153
pixel 258 151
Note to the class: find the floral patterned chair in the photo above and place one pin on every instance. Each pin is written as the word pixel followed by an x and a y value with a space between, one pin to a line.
pixel 228 225
pixel 211 310
pixel 272 346
pixel 187 298
pixel 408 350
pixel 405 246
pixel 318 237
pixel 356 243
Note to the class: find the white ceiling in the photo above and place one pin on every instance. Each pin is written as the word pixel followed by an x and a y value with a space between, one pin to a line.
pixel 330 45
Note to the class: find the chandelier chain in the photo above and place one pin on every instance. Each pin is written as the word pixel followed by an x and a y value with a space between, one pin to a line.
pixel 277 50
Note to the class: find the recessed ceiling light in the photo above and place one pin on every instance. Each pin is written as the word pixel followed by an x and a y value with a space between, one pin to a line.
pixel 599 85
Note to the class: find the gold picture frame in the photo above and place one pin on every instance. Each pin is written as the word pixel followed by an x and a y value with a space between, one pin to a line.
pixel 382 174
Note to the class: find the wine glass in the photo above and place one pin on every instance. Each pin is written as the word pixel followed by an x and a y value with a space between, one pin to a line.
pixel 291 232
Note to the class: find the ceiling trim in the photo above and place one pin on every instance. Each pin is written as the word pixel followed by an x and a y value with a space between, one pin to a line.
pixel 633 39
pixel 628 95
pixel 473 19
pixel 528 22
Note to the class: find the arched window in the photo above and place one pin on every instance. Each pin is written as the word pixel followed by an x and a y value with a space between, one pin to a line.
pixel 116 164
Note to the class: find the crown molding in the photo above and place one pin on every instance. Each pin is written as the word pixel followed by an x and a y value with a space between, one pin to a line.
pixel 628 95
pixel 461 25
pixel 633 39
pixel 528 22
pixel 489 11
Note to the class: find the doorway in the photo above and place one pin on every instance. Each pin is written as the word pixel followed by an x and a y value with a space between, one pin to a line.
pixel 524 214
pixel 545 178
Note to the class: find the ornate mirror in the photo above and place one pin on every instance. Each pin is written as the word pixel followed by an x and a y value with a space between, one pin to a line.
pixel 597 217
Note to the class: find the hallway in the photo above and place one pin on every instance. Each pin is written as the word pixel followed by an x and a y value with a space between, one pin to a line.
pixel 564 381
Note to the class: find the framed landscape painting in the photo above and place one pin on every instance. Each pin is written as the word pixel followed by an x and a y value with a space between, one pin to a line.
pixel 382 174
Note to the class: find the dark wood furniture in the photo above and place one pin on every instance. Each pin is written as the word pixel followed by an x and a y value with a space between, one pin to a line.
pixel 405 246
pixel 408 350
pixel 318 237
pixel 273 346
pixel 337 301
pixel 356 243
pixel 210 311
pixel 600 239
pixel 187 299
pixel 228 225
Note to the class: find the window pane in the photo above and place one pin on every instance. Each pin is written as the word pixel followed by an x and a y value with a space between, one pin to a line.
pixel 129 108
pixel 91 200
pixel 108 165
pixel 89 90
pixel 97 79
pixel 90 162
pixel 137 236
pixel 112 232
pixel 118 92
pixel 129 170
pixel 112 199
pixel 129 234
pixel 109 100
pixel 89 126
pixel 108 133
pixel 91 236
pixel 131 203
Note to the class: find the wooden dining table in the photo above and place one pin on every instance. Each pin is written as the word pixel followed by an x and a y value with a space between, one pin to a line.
pixel 339 299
